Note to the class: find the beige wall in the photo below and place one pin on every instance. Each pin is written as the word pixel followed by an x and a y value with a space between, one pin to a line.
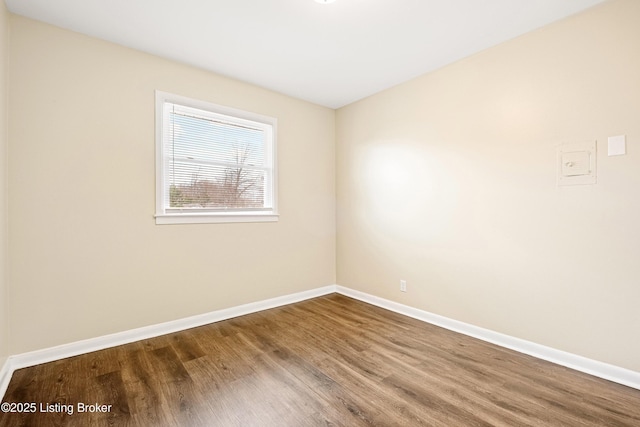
pixel 449 182
pixel 86 256
pixel 3 186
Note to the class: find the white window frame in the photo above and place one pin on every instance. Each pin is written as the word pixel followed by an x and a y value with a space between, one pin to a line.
pixel 176 216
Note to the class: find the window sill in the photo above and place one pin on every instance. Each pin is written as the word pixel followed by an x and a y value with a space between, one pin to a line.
pixel 209 218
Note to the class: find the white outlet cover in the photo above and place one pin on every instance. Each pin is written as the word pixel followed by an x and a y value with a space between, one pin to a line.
pixel 617 145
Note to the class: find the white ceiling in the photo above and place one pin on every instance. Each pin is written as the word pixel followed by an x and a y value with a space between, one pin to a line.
pixel 329 54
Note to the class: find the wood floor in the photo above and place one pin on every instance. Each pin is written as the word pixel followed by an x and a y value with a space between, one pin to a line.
pixel 330 361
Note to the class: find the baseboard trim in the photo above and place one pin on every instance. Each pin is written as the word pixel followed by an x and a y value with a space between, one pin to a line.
pixel 599 369
pixel 5 375
pixel 592 367
pixel 63 351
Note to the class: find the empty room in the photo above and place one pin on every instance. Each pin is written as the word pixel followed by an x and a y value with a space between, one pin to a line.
pixel 320 212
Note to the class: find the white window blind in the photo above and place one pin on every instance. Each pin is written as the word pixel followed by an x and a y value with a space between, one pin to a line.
pixel 214 161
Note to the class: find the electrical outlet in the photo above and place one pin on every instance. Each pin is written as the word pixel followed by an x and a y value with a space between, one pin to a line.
pixel 403 285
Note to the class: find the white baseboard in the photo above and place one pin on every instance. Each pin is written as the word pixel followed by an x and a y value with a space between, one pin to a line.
pixel 579 363
pixel 5 376
pixel 593 367
pixel 63 351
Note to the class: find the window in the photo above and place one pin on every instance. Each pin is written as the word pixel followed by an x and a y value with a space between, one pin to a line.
pixel 213 163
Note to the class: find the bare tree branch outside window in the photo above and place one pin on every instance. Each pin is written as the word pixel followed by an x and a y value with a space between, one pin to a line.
pixel 227 188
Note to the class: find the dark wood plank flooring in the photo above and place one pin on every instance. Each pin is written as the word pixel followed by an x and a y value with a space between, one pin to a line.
pixel 330 361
